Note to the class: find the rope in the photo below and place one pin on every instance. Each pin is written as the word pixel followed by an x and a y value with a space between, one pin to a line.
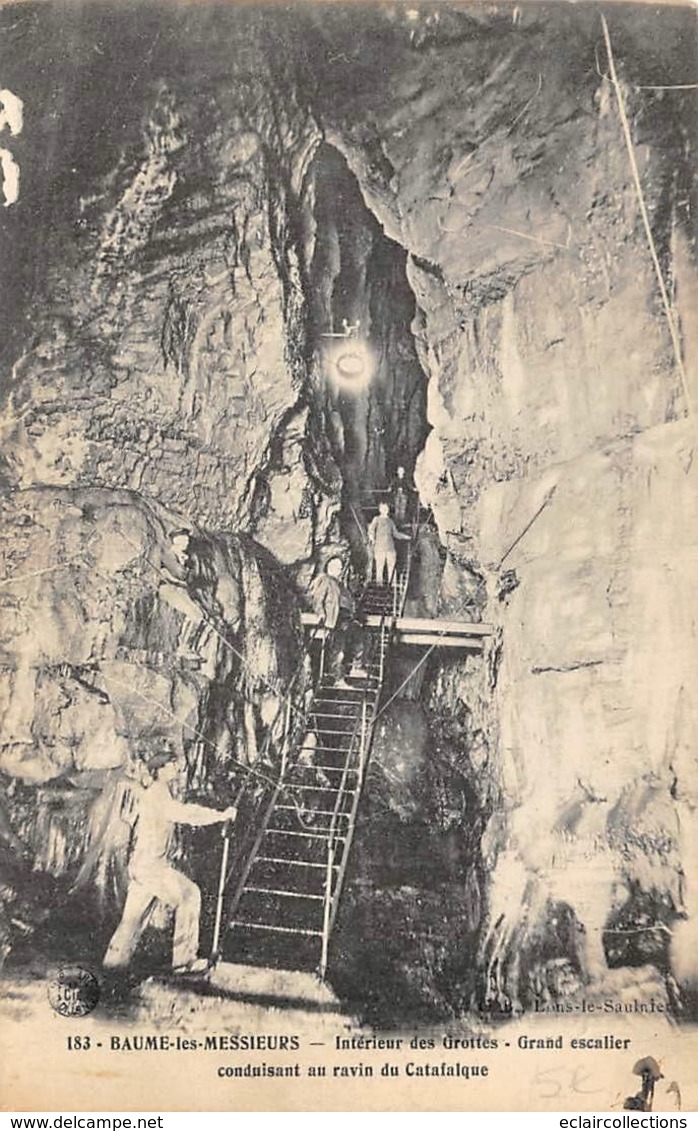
pixel 361 529
pixel 154 703
pixel 643 212
pixel 528 526
pixel 205 617
pixel 16 579
pixel 676 86
pixel 405 681
pixel 276 783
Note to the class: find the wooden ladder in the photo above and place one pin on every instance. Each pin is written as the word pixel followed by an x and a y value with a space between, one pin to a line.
pixel 284 906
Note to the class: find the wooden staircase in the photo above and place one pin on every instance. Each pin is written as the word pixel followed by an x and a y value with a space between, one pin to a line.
pixel 283 909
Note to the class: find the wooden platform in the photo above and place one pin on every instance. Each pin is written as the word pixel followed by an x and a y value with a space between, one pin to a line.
pixel 421 631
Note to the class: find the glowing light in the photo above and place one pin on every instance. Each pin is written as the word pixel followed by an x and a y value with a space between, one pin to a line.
pixel 350 363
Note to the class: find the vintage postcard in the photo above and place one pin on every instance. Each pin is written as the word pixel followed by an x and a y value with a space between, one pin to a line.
pixel 348 523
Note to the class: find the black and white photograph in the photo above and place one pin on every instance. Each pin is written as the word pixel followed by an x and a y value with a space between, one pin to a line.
pixel 348 555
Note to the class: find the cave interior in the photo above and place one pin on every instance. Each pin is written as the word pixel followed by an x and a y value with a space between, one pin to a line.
pixel 261 258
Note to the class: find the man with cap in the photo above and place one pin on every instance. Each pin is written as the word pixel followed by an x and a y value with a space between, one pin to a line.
pixel 335 606
pixel 152 877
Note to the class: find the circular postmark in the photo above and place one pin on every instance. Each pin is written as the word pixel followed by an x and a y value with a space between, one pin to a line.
pixel 73 992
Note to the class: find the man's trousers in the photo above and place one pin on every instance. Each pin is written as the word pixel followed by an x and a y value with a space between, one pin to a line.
pixel 384 560
pixel 157 881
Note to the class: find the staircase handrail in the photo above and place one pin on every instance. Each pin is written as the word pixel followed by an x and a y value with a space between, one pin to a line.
pixel 328 917
pixel 333 887
pixel 258 828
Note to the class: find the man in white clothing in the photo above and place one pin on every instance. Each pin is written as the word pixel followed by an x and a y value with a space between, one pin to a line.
pixel 152 877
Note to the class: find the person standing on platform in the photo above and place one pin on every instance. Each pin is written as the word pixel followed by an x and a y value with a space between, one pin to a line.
pixel 382 534
pixel 400 497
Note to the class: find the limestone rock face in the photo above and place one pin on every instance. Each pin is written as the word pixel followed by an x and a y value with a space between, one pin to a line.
pixel 559 467
pixel 109 635
pixel 168 346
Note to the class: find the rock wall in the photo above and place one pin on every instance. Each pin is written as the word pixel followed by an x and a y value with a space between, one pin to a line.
pixel 560 461
pixel 113 638
pixel 357 277
pixel 167 349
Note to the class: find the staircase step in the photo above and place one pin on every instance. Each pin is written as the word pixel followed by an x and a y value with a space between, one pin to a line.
pixel 263 907
pixel 283 904
pixel 326 715
pixel 305 781
pixel 337 733
pixel 281 873
pixel 349 691
pixel 271 952
pixel 286 860
pixel 309 823
pixel 305 846
pixel 352 705
pixel 312 745
pixel 336 769
pixel 327 699
pixel 320 812
pixel 323 788
pixel 271 927
pixel 291 832
pixel 285 894
pixel 302 777
pixel 319 747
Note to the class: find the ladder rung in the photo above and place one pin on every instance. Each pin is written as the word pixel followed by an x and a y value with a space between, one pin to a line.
pixel 321 812
pixel 271 927
pixel 337 769
pixel 338 733
pixel 291 832
pixel 331 748
pixel 347 702
pixel 331 685
pixel 326 715
pixel 343 733
pixel 286 860
pixel 321 788
pixel 288 894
